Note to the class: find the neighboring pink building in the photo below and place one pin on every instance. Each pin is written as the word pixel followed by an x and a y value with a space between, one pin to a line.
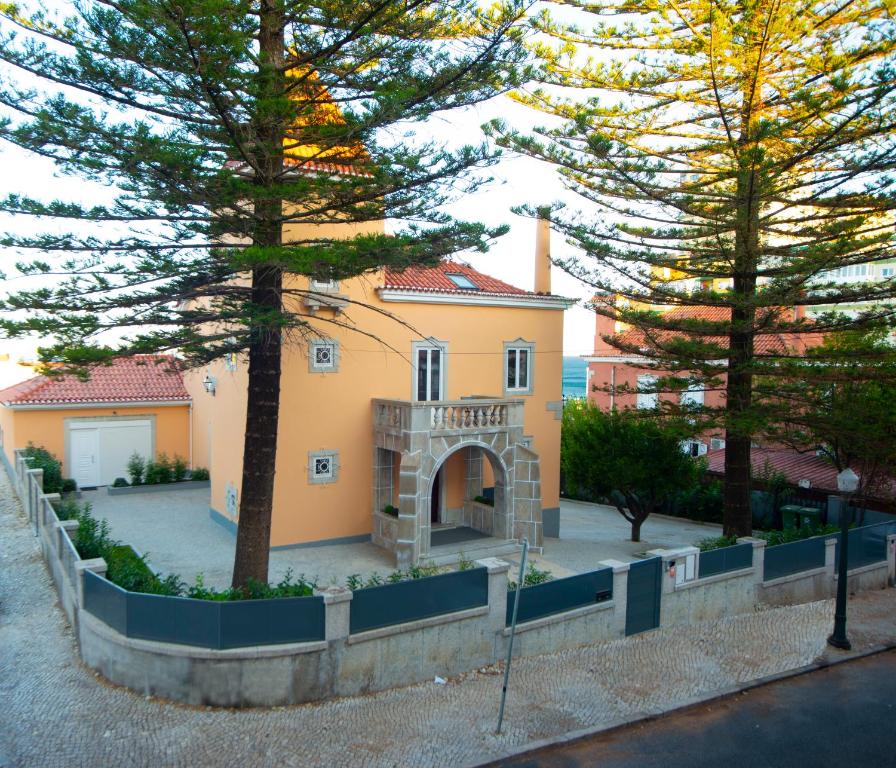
pixel 618 375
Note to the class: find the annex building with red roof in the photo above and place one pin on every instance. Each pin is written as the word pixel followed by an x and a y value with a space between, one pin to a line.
pixel 93 425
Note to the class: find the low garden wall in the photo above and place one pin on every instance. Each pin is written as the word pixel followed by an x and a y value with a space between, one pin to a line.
pixel 339 642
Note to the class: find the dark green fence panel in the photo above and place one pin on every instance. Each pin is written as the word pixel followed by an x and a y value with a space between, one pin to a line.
pixel 725 559
pixel 642 610
pixel 798 556
pixel 106 601
pixel 867 545
pixel 406 601
pixel 204 623
pixel 266 622
pixel 561 595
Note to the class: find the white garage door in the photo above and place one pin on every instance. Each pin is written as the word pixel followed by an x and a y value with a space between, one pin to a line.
pixel 100 449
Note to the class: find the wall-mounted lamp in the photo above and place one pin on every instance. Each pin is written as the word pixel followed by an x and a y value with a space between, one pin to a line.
pixel 210 383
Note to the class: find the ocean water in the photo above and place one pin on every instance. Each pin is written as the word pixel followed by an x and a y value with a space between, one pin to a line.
pixel 574 374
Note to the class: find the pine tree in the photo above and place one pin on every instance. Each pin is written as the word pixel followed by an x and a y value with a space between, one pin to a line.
pixel 731 154
pixel 230 129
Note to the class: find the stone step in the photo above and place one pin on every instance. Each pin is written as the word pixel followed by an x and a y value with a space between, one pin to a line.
pixel 472 550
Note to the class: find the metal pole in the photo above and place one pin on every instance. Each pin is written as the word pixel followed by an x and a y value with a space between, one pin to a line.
pixel 516 605
pixel 838 639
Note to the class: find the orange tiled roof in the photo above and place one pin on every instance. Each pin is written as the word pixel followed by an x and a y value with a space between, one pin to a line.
pixel 436 280
pixel 144 378
pixel 764 343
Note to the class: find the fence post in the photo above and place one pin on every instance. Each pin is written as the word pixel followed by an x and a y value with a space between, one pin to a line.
pixel 891 559
pixel 620 593
pixel 34 486
pixel 497 594
pixel 337 612
pixel 70 527
pixel 758 556
pixel 95 564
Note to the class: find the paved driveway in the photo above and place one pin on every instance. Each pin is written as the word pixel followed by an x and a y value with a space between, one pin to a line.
pixel 174 530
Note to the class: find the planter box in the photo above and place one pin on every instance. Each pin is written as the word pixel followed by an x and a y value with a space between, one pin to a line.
pixel 183 485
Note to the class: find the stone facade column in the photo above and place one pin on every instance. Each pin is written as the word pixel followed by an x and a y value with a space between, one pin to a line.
pixel 620 594
pixel 407 545
pixel 526 495
pixel 473 478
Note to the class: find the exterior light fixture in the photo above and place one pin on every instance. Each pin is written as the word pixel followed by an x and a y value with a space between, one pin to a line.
pixel 210 383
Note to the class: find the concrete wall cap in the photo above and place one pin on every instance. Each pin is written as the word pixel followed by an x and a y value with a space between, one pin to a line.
pixel 670 554
pixel 752 540
pixel 332 595
pixel 68 525
pixel 494 564
pixel 617 565
pixel 95 564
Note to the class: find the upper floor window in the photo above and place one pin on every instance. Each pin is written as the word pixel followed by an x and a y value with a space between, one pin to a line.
pixel 649 398
pixel 853 270
pixel 429 371
pixel 324 286
pixel 693 395
pixel 887 271
pixel 518 356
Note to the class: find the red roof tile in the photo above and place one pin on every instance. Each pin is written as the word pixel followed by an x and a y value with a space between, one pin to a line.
pixel 144 378
pixel 436 280
pixel 765 343
pixel 820 473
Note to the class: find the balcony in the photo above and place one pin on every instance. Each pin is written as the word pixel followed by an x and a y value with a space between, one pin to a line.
pixel 447 417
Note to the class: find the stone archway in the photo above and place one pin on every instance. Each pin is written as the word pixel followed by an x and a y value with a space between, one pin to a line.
pixel 425 435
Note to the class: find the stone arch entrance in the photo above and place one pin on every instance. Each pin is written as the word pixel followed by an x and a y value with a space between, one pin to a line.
pixel 496 521
pixel 422 436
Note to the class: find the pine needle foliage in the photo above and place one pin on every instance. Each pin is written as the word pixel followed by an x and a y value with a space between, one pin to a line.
pixel 229 132
pixel 731 155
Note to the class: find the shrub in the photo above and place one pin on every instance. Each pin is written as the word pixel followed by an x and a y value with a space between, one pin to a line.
pixel 69 486
pixel 120 482
pixel 41 458
pixel 68 509
pixel 178 468
pixel 288 586
pixel 93 539
pixel 390 510
pixel 151 475
pixel 485 500
pixel 532 577
pixel 164 469
pixel 796 534
pixel 200 473
pixel 716 542
pixel 136 468
pixel 130 571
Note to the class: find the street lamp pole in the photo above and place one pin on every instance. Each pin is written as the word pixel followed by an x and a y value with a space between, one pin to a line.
pixel 847 483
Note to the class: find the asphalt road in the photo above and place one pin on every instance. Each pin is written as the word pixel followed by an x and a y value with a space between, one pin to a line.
pixel 841 716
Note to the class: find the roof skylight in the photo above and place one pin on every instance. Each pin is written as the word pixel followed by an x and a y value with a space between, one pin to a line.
pixel 462 281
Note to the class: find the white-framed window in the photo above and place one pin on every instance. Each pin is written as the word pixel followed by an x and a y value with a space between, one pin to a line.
pixel 324 286
pixel 694 448
pixel 692 396
pixel 323 356
pixel 647 399
pixel 429 370
pixel 853 270
pixel 323 466
pixel 887 271
pixel 715 443
pixel 519 359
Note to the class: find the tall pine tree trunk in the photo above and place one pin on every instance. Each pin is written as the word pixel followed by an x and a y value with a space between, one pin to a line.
pixel 263 397
pixel 737 517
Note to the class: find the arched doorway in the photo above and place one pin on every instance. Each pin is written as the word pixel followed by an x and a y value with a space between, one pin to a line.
pixel 458 510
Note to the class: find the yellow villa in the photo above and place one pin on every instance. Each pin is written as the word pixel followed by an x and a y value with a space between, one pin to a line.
pixel 449 390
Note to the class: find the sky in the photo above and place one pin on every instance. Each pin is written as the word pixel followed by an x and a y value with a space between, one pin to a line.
pixel 517 181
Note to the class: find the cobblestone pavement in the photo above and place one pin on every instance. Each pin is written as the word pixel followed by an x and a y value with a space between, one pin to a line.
pixel 55 712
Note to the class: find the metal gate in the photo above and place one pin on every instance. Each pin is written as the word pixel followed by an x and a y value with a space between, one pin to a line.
pixel 642 609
